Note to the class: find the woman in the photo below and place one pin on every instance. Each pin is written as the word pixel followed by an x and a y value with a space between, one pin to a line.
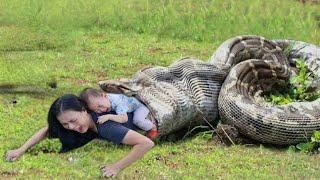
pixel 69 121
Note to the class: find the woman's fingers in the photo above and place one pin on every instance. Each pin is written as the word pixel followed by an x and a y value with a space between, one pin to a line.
pixel 10 158
pixel 11 155
pixel 108 172
pixel 13 159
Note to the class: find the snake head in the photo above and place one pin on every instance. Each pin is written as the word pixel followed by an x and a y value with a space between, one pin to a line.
pixel 123 86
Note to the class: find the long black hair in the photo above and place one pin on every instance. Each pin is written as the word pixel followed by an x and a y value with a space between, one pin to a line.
pixel 69 139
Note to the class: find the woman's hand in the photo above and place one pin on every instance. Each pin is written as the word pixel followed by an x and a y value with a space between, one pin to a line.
pixel 141 145
pixel 14 154
pixel 109 171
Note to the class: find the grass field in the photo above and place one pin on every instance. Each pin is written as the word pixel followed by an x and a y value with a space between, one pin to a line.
pixel 77 43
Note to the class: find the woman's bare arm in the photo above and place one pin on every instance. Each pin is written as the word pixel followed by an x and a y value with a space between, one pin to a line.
pixel 14 154
pixel 141 145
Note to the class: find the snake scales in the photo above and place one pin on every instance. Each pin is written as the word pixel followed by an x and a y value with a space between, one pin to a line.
pixel 190 92
pixel 177 96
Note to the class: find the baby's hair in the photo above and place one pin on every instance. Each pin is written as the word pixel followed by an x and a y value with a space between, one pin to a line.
pixel 89 92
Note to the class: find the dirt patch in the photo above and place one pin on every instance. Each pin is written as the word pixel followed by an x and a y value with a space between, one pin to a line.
pixel 8 173
pixel 310 1
pixel 154 50
pixel 74 81
pixel 228 135
pixel 317 18
pixel 102 75
pixel 166 159
pixel 44 149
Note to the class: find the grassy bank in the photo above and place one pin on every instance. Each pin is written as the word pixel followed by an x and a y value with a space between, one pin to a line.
pixel 77 43
pixel 201 21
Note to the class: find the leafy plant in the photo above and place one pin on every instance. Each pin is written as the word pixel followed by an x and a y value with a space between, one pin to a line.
pixel 312 146
pixel 300 88
pixel 302 81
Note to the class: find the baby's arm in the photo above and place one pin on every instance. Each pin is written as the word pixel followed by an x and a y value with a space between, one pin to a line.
pixel 122 118
pixel 14 154
pixel 121 108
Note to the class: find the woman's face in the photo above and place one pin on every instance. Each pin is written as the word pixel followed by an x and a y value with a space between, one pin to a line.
pixel 75 120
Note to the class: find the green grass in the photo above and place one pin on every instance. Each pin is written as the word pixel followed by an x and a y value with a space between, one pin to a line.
pixel 78 43
pixel 208 21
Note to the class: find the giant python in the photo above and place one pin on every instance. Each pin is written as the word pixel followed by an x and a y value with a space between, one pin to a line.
pixel 191 92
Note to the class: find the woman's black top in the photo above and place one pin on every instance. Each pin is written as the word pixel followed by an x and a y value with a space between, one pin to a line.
pixel 110 130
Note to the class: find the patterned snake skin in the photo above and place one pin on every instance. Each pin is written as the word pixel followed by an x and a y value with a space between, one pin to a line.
pixel 240 101
pixel 179 95
pixel 244 68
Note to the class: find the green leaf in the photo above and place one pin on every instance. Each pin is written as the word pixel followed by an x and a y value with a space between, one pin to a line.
pixel 306 147
pixel 316 137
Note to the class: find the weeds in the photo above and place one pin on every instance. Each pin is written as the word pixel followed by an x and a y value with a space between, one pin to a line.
pixel 300 88
pixel 74 44
pixel 312 146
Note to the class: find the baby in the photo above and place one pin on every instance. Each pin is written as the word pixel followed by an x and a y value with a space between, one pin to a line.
pixel 100 101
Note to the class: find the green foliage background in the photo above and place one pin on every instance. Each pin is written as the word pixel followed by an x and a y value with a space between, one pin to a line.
pixel 77 43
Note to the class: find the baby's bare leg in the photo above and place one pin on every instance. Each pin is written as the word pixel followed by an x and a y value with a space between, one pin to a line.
pixel 140 118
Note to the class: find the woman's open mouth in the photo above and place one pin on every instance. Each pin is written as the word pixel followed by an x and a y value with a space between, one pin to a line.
pixel 81 129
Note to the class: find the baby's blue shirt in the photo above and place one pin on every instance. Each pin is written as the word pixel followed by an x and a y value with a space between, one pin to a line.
pixel 122 104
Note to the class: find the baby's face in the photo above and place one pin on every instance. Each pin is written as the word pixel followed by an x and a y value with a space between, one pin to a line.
pixel 100 104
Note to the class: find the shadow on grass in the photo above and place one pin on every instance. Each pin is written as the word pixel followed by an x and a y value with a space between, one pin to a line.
pixel 35 92
pixel 226 136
